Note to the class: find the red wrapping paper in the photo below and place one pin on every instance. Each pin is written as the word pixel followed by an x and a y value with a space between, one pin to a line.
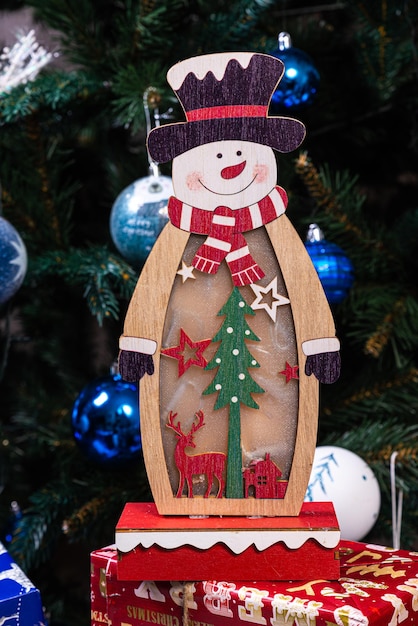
pixel 378 586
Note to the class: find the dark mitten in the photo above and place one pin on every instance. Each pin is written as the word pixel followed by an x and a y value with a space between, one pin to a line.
pixel 325 366
pixel 134 365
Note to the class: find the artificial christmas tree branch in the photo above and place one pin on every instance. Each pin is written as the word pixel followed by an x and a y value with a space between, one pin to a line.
pixel 105 277
pixel 377 342
pixel 35 137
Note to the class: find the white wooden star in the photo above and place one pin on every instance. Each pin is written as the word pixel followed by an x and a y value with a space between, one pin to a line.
pixel 276 299
pixel 186 272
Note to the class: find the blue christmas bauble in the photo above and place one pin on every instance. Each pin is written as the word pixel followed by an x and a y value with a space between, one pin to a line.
pixel 13 260
pixel 300 82
pixel 334 268
pixel 105 421
pixel 12 523
pixel 138 215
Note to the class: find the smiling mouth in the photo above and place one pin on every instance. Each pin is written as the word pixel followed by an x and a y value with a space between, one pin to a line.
pixel 228 194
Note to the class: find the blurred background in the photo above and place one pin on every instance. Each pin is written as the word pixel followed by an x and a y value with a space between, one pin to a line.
pixel 81 81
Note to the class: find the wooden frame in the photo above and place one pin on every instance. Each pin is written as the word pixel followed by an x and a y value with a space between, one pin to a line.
pixel 225 183
pixel 302 280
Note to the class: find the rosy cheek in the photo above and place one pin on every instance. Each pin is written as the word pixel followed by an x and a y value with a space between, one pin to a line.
pixel 193 181
pixel 261 171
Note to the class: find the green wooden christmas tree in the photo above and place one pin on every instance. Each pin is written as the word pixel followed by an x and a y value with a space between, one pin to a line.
pixel 232 381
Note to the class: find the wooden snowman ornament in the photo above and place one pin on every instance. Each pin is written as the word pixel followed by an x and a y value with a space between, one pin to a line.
pixel 228 330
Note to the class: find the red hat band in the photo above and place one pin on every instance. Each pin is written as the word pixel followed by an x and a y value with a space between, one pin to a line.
pixel 224 111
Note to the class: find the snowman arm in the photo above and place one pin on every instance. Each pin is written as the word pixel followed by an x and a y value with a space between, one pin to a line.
pixel 323 359
pixel 135 357
pixel 145 317
pixel 314 325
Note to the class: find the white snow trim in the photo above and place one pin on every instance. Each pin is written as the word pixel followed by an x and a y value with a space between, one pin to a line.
pixel 318 346
pixel 200 66
pixel 137 344
pixel 237 540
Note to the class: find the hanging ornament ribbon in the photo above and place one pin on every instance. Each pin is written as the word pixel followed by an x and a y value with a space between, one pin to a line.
pixel 397 502
pixel 151 100
pixel 139 212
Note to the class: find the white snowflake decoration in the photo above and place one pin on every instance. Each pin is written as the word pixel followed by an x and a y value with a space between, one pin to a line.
pixel 22 62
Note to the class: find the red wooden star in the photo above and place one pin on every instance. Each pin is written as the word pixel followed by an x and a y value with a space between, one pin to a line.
pixel 187 360
pixel 290 372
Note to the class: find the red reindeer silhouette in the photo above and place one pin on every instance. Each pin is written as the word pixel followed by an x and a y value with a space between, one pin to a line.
pixel 211 463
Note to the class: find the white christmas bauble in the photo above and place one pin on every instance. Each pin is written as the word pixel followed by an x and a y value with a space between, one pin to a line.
pixel 343 478
pixel 138 215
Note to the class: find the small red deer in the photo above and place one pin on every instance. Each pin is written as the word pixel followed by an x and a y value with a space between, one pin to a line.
pixel 211 463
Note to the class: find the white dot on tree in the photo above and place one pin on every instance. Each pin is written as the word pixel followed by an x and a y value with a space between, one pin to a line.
pixel 241 304
pixel 253 362
pixel 235 351
pixel 218 360
pixel 218 387
pixel 247 332
pixel 241 376
pixel 229 330
pixel 234 399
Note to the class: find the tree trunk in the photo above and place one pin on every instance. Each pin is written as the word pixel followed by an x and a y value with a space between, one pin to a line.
pixel 234 483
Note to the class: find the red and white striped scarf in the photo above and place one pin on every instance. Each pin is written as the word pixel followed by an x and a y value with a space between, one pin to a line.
pixel 225 227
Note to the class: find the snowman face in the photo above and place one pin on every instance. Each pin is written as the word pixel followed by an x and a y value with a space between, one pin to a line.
pixel 232 173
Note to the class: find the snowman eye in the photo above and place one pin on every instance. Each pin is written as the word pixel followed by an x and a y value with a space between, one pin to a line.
pixel 219 155
pixel 239 153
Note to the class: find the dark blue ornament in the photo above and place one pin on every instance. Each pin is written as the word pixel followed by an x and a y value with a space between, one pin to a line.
pixel 105 421
pixel 13 261
pixel 138 215
pixel 299 84
pixel 334 268
pixel 12 524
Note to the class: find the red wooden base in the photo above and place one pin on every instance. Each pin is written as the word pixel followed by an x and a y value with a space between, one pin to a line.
pixel 155 547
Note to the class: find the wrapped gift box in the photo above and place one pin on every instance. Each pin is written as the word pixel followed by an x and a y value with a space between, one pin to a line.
pixel 20 601
pixel 377 587
pixel 236 548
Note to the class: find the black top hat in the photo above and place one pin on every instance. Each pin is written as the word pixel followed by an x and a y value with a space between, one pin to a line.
pixel 225 96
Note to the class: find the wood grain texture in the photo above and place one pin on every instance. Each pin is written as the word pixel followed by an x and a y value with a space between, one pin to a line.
pixel 312 320
pixel 145 318
pixel 224 175
pixel 225 96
